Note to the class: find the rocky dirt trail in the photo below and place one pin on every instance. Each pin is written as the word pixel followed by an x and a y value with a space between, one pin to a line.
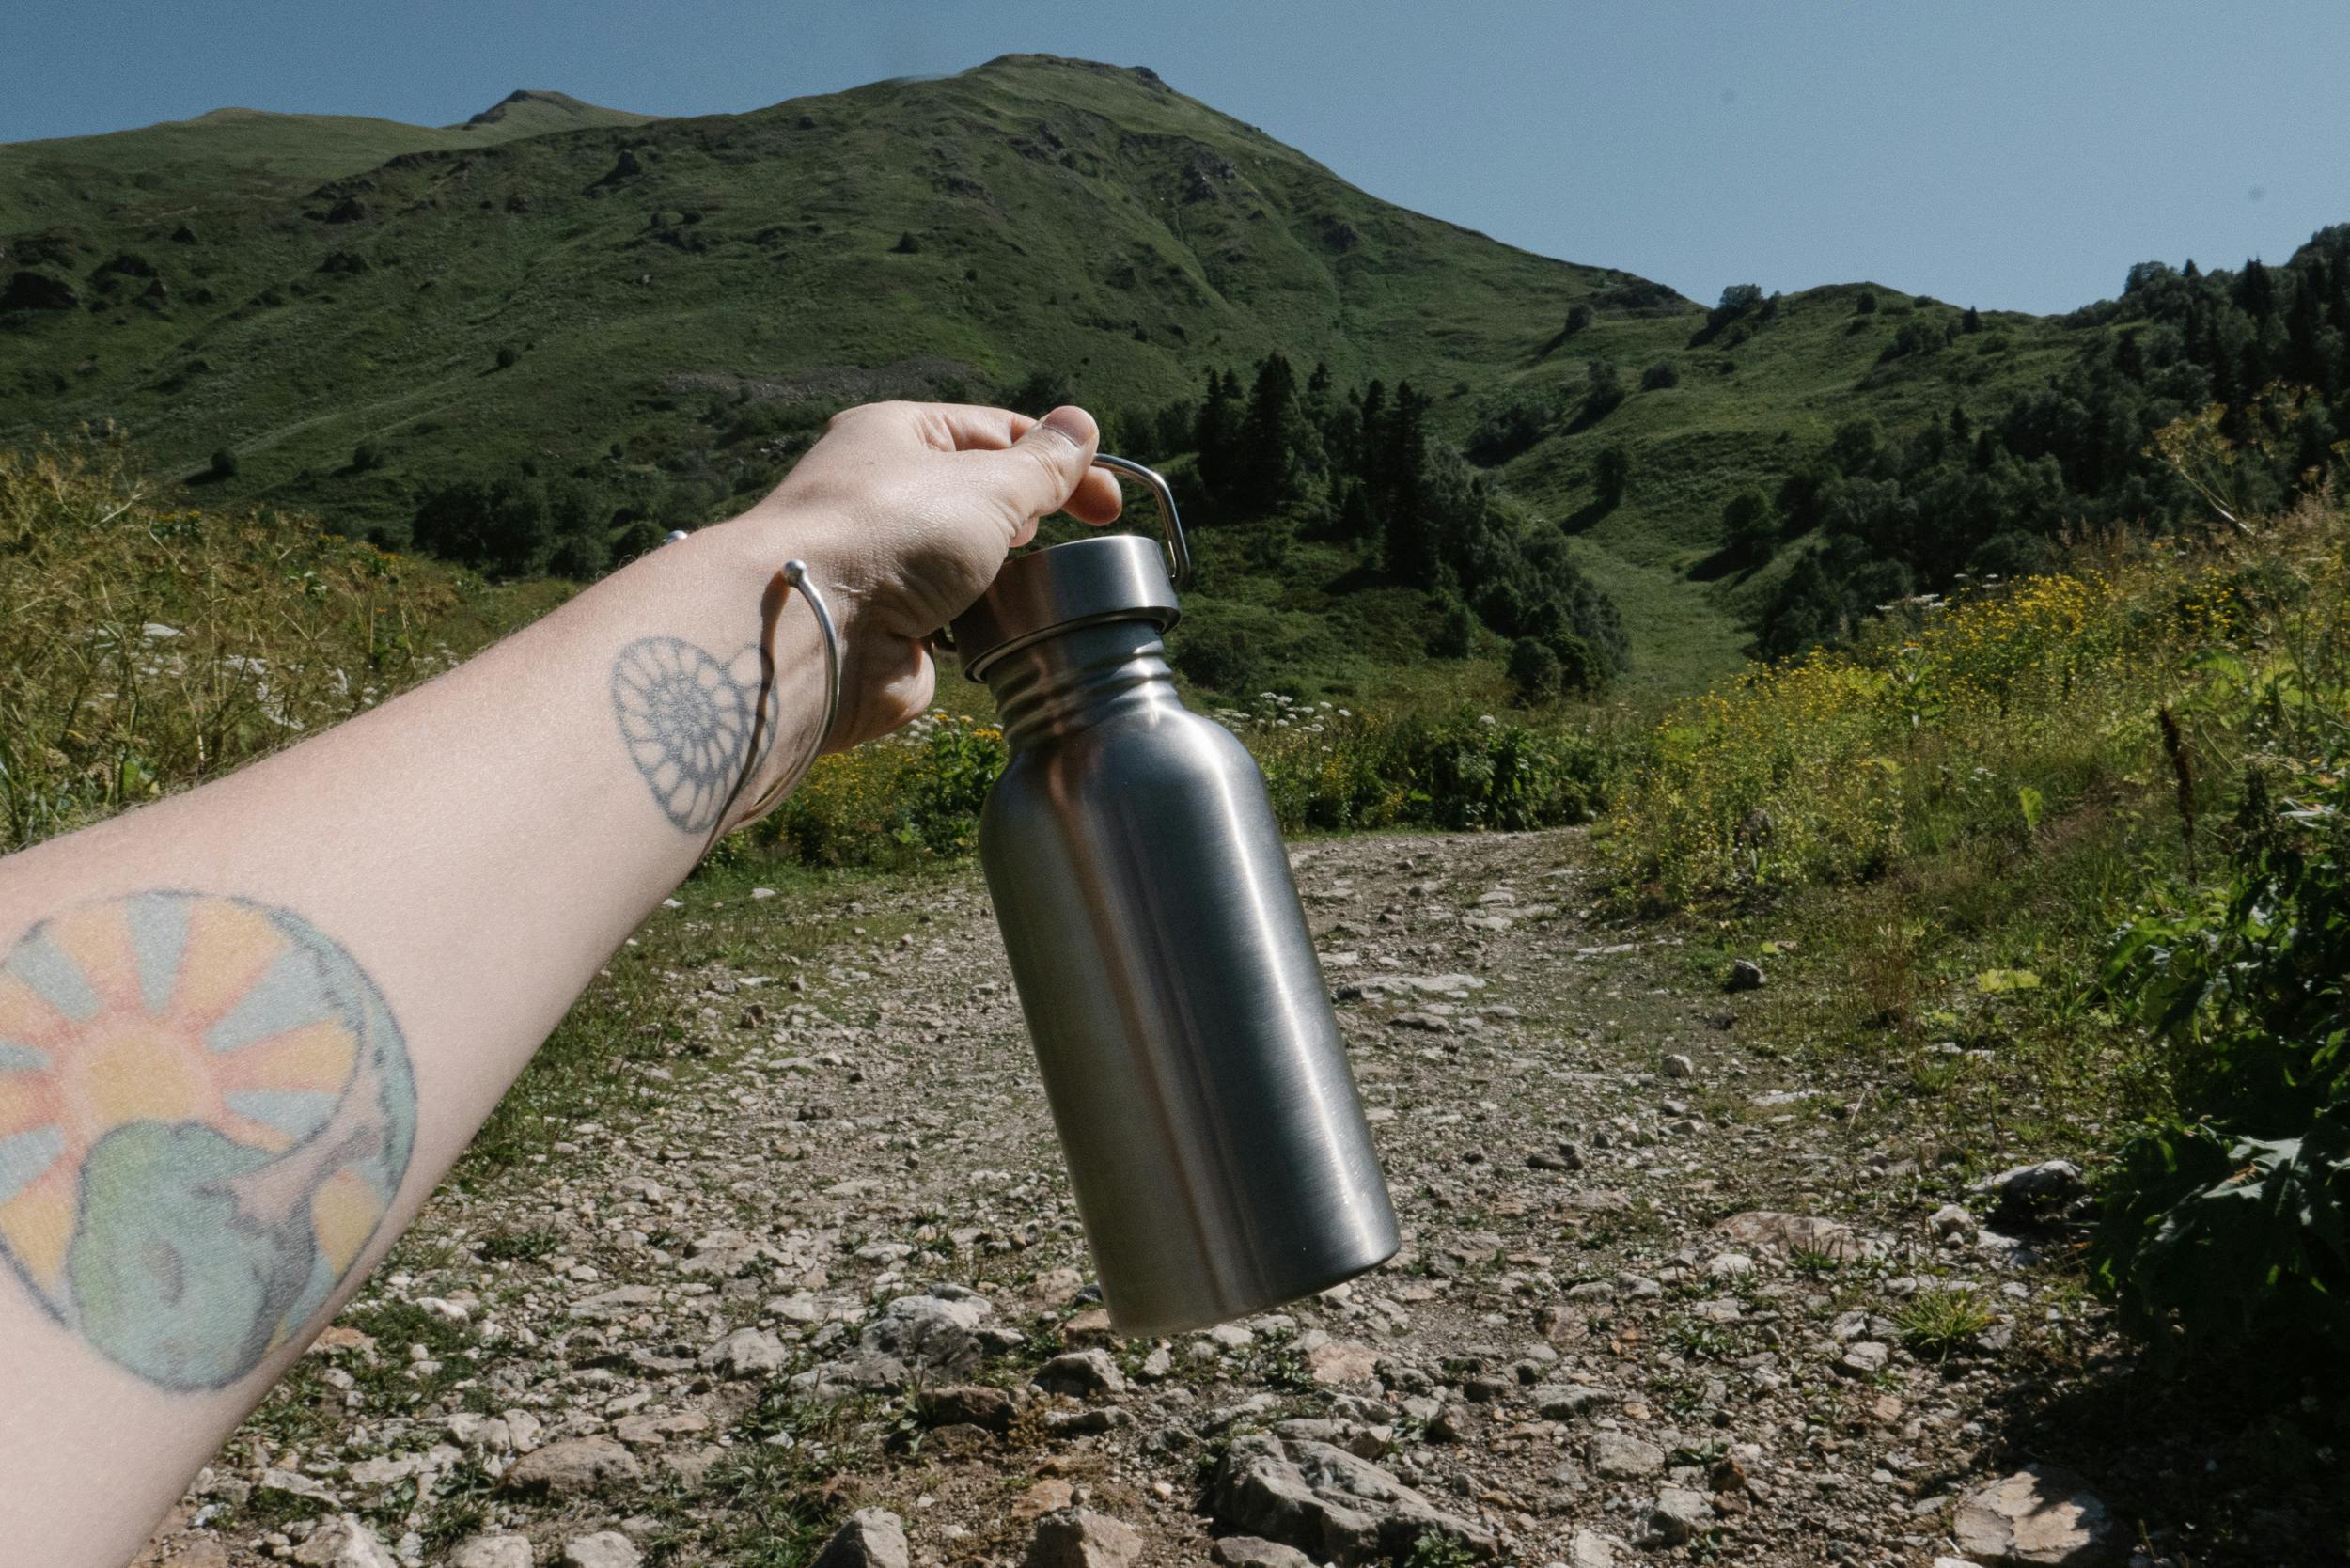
pixel 1662 1297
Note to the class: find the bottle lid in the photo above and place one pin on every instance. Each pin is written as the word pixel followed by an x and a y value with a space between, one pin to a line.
pixel 1109 577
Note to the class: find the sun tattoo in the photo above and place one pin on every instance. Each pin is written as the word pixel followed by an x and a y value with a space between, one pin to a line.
pixel 688 722
pixel 205 1111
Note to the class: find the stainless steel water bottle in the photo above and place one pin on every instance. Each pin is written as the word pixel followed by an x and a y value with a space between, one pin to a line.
pixel 1214 1139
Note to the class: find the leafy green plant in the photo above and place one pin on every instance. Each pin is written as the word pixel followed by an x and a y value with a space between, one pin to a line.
pixel 1938 1323
pixel 1436 1550
pixel 2231 1219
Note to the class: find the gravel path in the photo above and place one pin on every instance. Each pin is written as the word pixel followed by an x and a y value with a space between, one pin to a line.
pixel 1662 1294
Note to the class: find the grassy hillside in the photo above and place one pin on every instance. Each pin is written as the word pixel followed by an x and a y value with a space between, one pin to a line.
pixel 659 310
pixel 130 179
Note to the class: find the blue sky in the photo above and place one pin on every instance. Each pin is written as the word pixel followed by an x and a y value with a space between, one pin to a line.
pixel 2015 156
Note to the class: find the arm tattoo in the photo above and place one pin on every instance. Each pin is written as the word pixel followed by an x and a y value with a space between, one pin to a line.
pixel 205 1110
pixel 692 724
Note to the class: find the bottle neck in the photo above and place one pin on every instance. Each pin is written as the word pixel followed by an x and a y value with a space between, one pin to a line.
pixel 1080 677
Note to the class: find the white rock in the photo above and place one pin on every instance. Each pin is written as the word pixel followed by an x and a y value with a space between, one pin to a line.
pixel 343 1541
pixel 607 1548
pixel 1866 1358
pixel 1680 1513
pixel 1080 1538
pixel 2041 1517
pixel 1620 1456
pixel 491 1551
pixel 870 1538
pixel 747 1353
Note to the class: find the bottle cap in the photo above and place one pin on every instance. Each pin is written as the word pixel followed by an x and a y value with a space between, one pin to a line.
pixel 1109 577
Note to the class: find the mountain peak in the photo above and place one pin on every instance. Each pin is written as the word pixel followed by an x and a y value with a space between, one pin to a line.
pixel 1143 74
pixel 549 109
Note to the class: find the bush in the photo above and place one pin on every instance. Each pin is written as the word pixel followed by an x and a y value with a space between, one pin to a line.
pixel 1222 655
pixel 2231 1219
pixel 1330 769
pixel 508 356
pixel 1603 391
pixel 501 526
pixel 1659 376
pixel 1534 671
pixel 1609 474
pixel 1738 300
pixel 1456 631
pixel 1749 526
pixel 366 456
pixel 1510 426
pixel 224 465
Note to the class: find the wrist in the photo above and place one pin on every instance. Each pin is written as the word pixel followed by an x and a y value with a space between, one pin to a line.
pixel 717 674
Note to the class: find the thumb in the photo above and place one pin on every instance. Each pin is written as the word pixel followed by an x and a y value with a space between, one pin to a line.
pixel 1040 471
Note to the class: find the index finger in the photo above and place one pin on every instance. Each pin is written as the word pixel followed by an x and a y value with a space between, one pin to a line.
pixel 970 428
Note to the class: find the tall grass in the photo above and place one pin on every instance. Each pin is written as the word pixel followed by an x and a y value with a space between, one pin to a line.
pixel 1985 715
pixel 146 645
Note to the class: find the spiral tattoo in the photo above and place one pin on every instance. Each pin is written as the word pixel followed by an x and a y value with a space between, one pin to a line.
pixel 689 723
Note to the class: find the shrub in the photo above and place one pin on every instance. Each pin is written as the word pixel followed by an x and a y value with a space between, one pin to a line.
pixel 1749 526
pixel 1329 768
pixel 501 526
pixel 1534 671
pixel 1456 631
pixel 1609 474
pixel 916 794
pixel 224 464
pixel 508 356
pixel 1510 426
pixel 1602 390
pixel 1223 655
pixel 2231 1218
pixel 1659 376
pixel 1737 300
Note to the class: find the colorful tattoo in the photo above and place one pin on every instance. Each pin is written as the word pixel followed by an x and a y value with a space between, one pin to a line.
pixel 205 1110
pixel 690 724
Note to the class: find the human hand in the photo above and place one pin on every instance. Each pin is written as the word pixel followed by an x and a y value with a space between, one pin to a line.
pixel 903 513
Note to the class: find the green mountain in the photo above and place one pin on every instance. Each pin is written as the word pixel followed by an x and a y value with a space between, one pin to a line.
pixel 130 180
pixel 651 317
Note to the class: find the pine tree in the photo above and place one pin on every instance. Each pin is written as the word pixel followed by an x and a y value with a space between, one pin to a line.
pixel 1215 436
pixel 1410 549
pixel 1267 466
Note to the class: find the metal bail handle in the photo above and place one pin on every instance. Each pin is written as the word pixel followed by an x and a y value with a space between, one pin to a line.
pixel 1178 548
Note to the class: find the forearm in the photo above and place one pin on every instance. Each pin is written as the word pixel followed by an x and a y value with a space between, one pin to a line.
pixel 322 973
